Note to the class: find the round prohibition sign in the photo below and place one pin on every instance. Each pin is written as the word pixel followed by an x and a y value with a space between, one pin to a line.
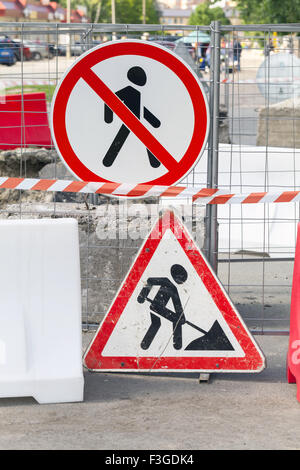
pixel 170 169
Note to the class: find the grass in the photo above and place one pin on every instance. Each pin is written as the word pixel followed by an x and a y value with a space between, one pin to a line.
pixel 47 89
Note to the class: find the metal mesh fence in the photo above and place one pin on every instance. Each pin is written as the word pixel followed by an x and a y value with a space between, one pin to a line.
pixel 259 88
pixel 251 77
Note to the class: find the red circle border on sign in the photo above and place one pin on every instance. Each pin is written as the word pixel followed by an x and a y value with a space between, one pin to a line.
pixel 140 48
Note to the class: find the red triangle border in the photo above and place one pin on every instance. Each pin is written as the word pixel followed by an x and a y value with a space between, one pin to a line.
pixel 253 361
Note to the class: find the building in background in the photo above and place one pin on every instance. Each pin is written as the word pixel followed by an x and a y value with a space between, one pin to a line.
pixel 179 11
pixel 38 10
pixel 230 9
pixel 175 16
pixel 180 4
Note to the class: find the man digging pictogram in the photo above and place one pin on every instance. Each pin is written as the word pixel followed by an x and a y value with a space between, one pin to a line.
pixel 132 99
pixel 167 291
pixel 214 339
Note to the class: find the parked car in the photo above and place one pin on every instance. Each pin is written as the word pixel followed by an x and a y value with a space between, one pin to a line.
pixel 39 50
pixel 167 44
pixel 96 43
pixel 18 48
pixel 7 55
pixel 164 38
pixel 54 49
pixel 76 49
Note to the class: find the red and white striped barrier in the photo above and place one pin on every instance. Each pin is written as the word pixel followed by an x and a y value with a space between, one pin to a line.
pixel 201 195
pixel 26 82
pixel 266 81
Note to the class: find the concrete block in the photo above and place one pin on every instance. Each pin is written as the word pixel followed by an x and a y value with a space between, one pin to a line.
pixel 279 124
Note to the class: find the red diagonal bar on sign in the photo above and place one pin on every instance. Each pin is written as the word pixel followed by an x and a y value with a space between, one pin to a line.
pixel 129 119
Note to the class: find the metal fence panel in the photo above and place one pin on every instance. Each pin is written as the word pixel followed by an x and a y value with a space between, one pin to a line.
pixel 253 146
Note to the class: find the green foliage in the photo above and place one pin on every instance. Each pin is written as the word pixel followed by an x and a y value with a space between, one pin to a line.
pixel 127 11
pixel 204 14
pixel 269 11
pixel 130 11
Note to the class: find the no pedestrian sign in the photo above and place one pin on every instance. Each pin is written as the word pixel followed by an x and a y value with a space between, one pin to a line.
pixel 130 112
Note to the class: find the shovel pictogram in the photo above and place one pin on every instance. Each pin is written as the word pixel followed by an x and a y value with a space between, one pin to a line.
pixel 213 339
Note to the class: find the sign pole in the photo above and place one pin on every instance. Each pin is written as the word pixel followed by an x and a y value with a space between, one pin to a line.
pixel 144 11
pixel 113 17
pixel 68 48
pixel 113 12
pixel 213 150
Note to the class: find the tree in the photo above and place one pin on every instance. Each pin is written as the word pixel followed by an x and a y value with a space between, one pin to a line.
pixel 131 11
pixel 205 14
pixel 127 11
pixel 269 11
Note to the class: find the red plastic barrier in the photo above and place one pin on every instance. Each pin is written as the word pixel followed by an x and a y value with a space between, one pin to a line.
pixel 24 122
pixel 293 359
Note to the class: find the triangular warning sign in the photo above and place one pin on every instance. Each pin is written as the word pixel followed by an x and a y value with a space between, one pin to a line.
pixel 171 313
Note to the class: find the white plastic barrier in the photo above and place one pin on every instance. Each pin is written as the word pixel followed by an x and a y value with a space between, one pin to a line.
pixel 40 314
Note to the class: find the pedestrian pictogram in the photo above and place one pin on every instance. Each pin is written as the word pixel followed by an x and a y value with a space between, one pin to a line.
pixel 171 313
pixel 130 112
pixel 132 98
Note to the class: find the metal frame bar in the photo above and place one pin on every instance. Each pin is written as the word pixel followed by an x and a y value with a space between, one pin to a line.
pixel 86 32
pixel 213 150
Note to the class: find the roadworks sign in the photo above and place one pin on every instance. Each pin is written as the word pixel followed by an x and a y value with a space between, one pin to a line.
pixel 172 313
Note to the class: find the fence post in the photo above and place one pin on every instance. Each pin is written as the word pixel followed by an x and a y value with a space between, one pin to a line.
pixel 213 148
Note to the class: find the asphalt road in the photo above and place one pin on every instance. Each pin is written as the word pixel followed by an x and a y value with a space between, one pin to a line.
pixel 131 411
